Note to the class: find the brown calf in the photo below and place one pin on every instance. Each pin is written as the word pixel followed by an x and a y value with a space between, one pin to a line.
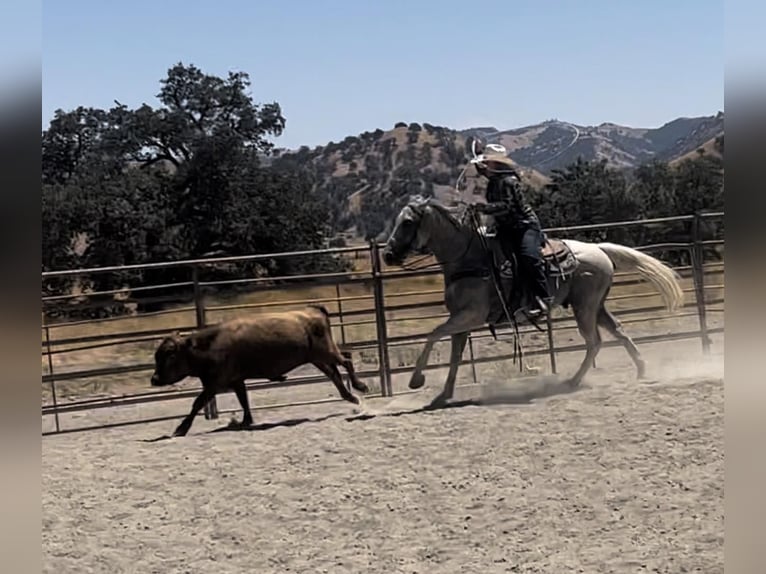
pixel 264 346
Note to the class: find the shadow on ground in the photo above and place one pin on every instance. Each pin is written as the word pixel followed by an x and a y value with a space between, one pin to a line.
pixel 518 393
pixel 235 426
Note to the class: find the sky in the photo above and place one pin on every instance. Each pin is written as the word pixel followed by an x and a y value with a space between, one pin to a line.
pixel 342 67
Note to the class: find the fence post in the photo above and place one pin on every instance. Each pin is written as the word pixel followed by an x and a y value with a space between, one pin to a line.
pixel 698 276
pixel 340 314
pixel 53 380
pixel 211 407
pixel 380 321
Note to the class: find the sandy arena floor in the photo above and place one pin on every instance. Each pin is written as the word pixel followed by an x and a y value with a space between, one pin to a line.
pixel 618 476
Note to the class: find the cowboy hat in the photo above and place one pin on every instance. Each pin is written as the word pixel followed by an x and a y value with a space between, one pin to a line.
pixel 493 153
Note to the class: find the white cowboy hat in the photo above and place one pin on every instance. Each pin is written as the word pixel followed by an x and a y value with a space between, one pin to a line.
pixel 494 153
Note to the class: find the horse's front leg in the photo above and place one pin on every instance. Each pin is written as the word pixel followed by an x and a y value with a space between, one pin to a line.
pixel 461 322
pixel 456 353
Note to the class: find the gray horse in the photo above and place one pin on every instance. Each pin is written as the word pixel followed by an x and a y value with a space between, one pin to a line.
pixel 580 275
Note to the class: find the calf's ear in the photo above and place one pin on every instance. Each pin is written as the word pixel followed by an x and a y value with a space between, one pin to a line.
pixel 167 344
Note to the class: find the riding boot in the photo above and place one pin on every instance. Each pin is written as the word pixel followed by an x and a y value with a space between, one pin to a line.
pixel 534 270
pixel 539 289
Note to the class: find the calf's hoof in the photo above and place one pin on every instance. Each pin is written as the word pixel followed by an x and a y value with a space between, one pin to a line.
pixel 417 380
pixel 351 398
pixel 361 387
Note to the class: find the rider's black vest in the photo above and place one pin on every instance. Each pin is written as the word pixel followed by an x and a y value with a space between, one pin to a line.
pixel 508 206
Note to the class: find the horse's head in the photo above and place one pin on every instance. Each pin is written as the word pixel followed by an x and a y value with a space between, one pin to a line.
pixel 408 235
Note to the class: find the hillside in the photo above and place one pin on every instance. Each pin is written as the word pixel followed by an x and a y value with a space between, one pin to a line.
pixel 712 147
pixel 554 144
pixel 366 178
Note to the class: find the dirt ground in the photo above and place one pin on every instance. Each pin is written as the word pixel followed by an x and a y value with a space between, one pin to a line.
pixel 619 476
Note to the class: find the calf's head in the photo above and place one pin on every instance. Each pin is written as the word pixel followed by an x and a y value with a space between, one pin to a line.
pixel 171 361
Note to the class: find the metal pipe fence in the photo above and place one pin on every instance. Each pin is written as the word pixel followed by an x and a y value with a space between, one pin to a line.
pixel 353 315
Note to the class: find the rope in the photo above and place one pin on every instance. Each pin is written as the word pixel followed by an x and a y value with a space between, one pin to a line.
pixel 517 348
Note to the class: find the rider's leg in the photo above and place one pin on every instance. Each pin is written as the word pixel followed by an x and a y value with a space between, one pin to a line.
pixel 506 240
pixel 532 262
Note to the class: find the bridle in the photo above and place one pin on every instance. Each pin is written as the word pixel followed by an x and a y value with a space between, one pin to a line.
pixel 418 210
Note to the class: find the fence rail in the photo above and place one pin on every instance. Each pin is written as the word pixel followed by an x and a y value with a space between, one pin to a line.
pixel 377 310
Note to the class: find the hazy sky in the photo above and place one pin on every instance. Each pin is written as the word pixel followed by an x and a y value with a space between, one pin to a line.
pixel 341 67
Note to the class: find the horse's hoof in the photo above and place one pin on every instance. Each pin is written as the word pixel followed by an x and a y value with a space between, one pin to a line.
pixel 362 388
pixel 417 380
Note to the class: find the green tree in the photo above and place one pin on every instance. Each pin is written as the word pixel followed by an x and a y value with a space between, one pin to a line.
pixel 181 180
pixel 699 184
pixel 654 190
pixel 588 192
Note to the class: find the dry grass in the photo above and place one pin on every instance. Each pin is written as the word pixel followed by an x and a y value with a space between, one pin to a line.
pixel 708 148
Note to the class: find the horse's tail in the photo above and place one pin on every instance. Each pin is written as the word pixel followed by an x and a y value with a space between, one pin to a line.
pixel 653 270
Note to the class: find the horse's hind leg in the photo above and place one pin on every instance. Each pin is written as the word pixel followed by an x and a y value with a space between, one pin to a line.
pixel 612 324
pixel 588 327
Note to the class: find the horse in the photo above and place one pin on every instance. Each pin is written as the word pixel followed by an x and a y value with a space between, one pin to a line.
pixel 580 275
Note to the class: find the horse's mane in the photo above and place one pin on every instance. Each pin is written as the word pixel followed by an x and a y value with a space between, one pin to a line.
pixel 420 201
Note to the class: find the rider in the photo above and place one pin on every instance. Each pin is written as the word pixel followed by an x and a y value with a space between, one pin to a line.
pixel 517 226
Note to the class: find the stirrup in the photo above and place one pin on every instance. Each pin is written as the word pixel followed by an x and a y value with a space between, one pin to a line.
pixel 541 309
pixel 544 307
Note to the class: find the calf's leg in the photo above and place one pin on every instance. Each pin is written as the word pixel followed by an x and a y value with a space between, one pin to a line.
pixel 241 391
pixel 335 376
pixel 199 402
pixel 349 366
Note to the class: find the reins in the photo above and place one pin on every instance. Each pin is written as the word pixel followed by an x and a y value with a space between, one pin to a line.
pixel 411 266
pixel 517 348
pixel 474 226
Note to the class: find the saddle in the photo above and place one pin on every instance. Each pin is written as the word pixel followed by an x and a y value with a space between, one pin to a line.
pixel 558 257
pixel 558 261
